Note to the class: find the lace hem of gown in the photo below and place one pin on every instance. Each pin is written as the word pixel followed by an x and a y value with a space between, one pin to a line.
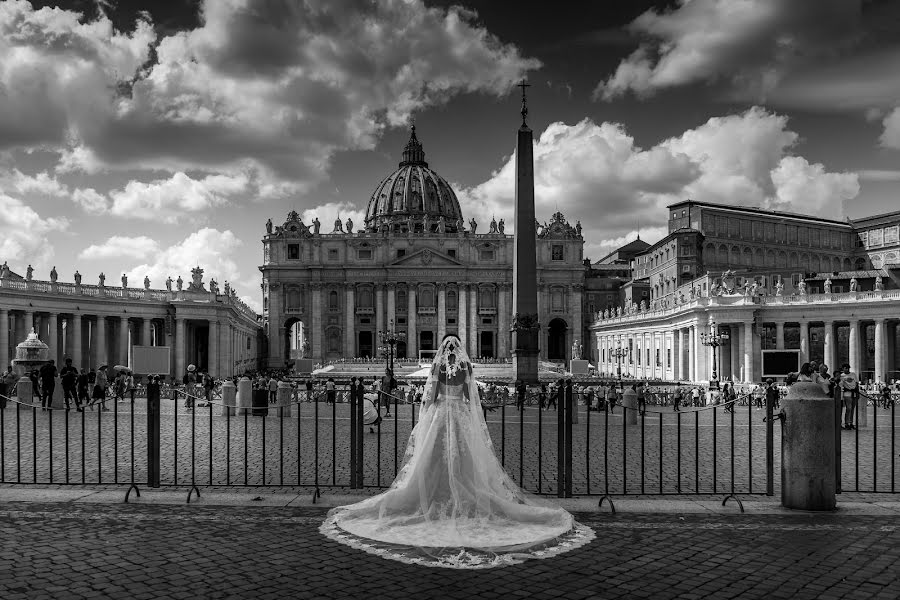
pixel 458 557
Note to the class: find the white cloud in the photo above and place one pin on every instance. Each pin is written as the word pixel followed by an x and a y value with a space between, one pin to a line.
pixel 212 250
pixel 90 200
pixel 168 199
pixel 121 247
pixel 596 174
pixel 329 212
pixel 253 302
pixel 270 88
pixel 750 44
pixel 39 184
pixel 891 136
pixel 25 236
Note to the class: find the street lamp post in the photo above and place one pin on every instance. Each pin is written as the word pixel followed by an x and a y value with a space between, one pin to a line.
pixel 389 338
pixel 619 353
pixel 714 339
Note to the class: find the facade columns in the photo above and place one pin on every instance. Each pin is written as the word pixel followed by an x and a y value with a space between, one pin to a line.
pixel 379 309
pixel 53 337
pixel 213 345
pixel 315 330
pixel 748 352
pixel 29 322
pixel 503 315
pixel 804 341
pixel 412 335
pixel 692 353
pixel 879 351
pixel 575 310
pixel 473 322
pixel 737 355
pixel 441 313
pixel 180 349
pixel 854 346
pixel 779 335
pixel 146 325
pixel 676 354
pixel 392 303
pixel 75 331
pixel 123 341
pixel 349 321
pixel 829 346
pixel 4 339
pixel 462 314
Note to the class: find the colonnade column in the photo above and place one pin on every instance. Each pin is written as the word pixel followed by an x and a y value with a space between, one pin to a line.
pixel 29 321
pixel 123 341
pixel 692 354
pixel 734 346
pixel 676 354
pixel 75 325
pixel 145 332
pixel 349 321
pixel 4 339
pixel 879 350
pixel 804 341
pixel 779 335
pixel 462 314
pixel 100 341
pixel 441 313
pixel 315 330
pixel 829 346
pixel 213 345
pixel 379 308
pixel 748 351
pixel 412 335
pixel 52 337
pixel 577 316
pixel 503 315
pixel 473 322
pixel 179 346
pixel 853 340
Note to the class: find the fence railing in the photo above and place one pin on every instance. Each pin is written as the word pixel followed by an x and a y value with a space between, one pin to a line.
pixel 548 445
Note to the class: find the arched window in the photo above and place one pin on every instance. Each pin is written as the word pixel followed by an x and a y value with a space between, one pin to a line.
pixel 782 259
pixel 793 261
pixel 451 300
pixel 487 297
pixel 723 254
pixel 748 257
pixel 710 253
pixel 804 261
pixel 365 298
pixel 426 297
pixel 770 258
pixel 758 258
pixel 333 299
pixel 401 299
pixel 860 264
pixel 735 256
pixel 847 265
pixel 814 263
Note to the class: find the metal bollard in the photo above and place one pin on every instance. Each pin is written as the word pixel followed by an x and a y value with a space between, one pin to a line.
pixel 283 399
pixel 808 454
pixel 244 396
pixel 630 405
pixel 229 398
pixel 153 418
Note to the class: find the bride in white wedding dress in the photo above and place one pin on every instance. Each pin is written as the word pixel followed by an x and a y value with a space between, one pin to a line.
pixel 452 504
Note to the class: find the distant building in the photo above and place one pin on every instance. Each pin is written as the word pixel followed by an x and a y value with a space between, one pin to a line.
pixel 825 287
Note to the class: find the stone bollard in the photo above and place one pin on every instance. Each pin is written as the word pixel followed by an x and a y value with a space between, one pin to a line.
pixel 283 399
pixel 229 398
pixel 25 391
pixel 808 448
pixel 630 406
pixel 244 396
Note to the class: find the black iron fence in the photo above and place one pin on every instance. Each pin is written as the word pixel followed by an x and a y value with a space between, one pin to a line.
pixel 559 446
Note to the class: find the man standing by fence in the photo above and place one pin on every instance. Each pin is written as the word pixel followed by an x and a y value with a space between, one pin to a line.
pixel 69 379
pixel 849 394
pixel 48 384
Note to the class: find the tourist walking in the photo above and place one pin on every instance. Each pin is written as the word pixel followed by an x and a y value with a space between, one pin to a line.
pixel 330 391
pixel 101 382
pixel 48 384
pixel 676 398
pixel 272 386
pixel 68 376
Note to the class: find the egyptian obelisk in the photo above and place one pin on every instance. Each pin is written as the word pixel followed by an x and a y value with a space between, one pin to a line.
pixel 525 328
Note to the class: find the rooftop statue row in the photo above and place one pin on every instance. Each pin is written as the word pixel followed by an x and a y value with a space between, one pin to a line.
pixel 294 226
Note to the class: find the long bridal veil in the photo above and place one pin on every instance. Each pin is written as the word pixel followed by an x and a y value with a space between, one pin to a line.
pixel 452 504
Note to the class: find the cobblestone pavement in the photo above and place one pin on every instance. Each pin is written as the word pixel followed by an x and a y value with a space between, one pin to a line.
pixel 65 550
pixel 664 453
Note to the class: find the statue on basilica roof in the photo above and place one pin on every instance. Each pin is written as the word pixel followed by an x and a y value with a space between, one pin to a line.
pixel 179 283
pixel 146 282
pixel 493 227
pixel 501 226
pixel 269 226
pixel 349 225
pixel 338 226
pixel 77 277
pixel 196 284
pixel 316 225
pixel 473 225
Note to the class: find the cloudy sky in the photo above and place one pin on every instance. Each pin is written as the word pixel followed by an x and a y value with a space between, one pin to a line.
pixel 148 137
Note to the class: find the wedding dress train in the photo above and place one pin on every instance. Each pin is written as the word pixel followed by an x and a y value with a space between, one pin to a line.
pixel 452 504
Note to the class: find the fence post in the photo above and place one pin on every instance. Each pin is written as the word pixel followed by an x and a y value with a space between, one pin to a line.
pixel 770 448
pixel 561 441
pixel 570 407
pixel 153 417
pixel 353 441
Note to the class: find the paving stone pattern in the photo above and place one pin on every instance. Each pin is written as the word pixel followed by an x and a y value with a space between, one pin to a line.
pixel 73 551
pixel 667 452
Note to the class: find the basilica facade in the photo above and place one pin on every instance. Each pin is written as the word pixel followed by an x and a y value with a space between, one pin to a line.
pixel 416 266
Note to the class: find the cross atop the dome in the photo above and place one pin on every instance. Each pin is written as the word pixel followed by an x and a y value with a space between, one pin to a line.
pixel 524 85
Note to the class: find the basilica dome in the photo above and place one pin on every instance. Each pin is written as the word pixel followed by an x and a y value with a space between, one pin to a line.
pixel 413 195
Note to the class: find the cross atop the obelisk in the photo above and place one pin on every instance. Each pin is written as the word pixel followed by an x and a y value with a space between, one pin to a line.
pixel 524 85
